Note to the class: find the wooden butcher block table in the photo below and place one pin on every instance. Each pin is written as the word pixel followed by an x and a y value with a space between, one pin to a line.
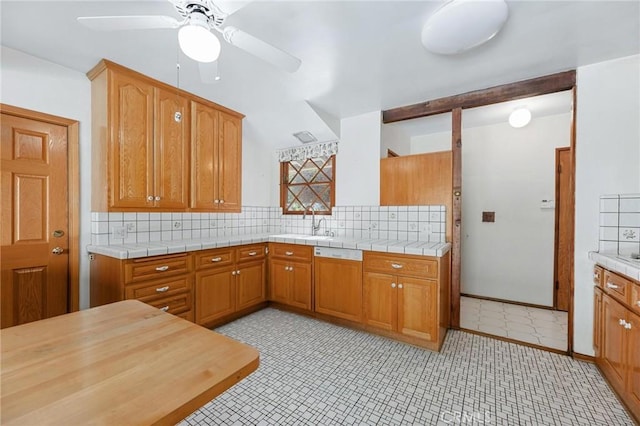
pixel 118 364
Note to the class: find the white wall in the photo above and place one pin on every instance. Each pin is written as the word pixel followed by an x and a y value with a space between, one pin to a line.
pixel 431 143
pixel 395 139
pixel 358 161
pixel 509 171
pixel 38 85
pixel 607 162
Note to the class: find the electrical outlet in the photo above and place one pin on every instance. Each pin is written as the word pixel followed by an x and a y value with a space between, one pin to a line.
pixel 119 232
pixel 177 224
pixel 131 227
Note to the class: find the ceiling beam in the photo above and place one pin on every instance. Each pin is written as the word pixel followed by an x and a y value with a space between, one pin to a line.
pixel 507 92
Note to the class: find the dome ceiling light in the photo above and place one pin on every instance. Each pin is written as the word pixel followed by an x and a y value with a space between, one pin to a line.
pixel 460 25
pixel 520 117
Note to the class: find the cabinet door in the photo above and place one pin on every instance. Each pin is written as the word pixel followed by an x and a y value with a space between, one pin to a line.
pixel 418 308
pixel 633 336
pixel 380 301
pixel 229 162
pixel 597 322
pixel 215 294
pixel 204 166
pixel 131 110
pixel 338 288
pixel 300 285
pixel 613 341
pixel 279 278
pixel 250 285
pixel 171 150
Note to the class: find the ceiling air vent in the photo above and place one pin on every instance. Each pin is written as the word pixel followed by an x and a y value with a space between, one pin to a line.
pixel 305 137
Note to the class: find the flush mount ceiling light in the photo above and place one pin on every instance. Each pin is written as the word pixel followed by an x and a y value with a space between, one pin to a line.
pixel 305 136
pixel 460 25
pixel 520 117
pixel 196 41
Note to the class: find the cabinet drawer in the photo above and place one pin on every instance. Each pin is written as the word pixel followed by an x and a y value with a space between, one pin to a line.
pixel 598 275
pixel 292 251
pixel 158 288
pixel 214 258
pixel 156 267
pixel 176 304
pixel 635 298
pixel 252 252
pixel 617 286
pixel 401 265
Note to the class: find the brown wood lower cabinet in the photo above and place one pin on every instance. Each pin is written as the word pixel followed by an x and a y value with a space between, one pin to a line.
pixel 165 282
pixel 290 273
pixel 228 280
pixel 407 295
pixel 617 337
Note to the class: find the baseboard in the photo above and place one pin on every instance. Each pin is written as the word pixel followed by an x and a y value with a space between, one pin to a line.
pixel 585 358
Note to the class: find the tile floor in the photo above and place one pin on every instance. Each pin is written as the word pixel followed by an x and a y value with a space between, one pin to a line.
pixel 542 327
pixel 316 373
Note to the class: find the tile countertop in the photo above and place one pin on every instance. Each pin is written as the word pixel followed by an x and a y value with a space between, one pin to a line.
pixel 131 251
pixel 614 263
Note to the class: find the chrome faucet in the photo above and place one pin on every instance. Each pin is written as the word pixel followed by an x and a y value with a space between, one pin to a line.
pixel 314 227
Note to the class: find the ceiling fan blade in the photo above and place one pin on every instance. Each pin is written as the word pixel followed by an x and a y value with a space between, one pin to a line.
pixel 209 72
pixel 231 6
pixel 261 49
pixel 116 23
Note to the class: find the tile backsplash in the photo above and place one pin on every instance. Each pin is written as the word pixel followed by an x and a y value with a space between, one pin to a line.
pixel 412 223
pixel 620 223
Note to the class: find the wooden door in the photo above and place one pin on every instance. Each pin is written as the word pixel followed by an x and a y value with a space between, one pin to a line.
pixel 380 301
pixel 215 294
pixel 564 230
pixel 279 278
pixel 250 285
pixel 633 337
pixel 35 280
pixel 204 166
pixel 229 162
pixel 418 308
pixel 171 150
pixel 338 288
pixel 131 104
pixel 613 342
pixel 300 285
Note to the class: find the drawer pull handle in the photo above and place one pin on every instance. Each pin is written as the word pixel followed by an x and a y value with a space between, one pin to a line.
pixel 162 268
pixel 216 259
pixel 162 289
pixel 396 266
pixel 288 253
pixel 252 253
pixel 612 286
pixel 164 309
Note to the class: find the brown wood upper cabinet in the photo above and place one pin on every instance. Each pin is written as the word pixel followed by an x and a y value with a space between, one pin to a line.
pixel 216 160
pixel 144 132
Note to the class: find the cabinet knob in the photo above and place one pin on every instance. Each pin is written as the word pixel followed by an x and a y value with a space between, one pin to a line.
pixel 162 268
pixel 399 285
pixel 622 322
pixel 628 326
pixel 393 285
pixel 157 198
pixel 216 201
pixel 57 250
pixel 233 272
pixel 164 308
pixel 162 289
pixel 149 197
pixel 612 286
pixel 638 303
pixel 396 266
pixel 221 201
pixel 238 272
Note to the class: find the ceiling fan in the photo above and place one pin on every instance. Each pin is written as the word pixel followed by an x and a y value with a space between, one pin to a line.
pixel 195 37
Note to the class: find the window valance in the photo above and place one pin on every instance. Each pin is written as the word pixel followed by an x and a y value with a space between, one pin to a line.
pixel 308 151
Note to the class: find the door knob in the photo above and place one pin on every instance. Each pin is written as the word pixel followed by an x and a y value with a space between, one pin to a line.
pixel 57 250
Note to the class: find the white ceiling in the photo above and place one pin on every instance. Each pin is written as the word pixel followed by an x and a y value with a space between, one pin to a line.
pixel 357 56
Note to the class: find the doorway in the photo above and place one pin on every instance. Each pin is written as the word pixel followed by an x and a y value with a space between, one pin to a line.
pixel 40 215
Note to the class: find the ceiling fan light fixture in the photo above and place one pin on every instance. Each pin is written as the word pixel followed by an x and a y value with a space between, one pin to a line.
pixel 520 117
pixel 197 41
pixel 460 25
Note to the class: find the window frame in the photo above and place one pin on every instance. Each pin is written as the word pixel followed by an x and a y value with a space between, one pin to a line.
pixel 284 187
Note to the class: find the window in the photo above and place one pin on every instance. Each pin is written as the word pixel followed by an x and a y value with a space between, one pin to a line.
pixel 308 183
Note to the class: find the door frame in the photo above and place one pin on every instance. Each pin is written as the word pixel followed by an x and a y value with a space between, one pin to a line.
pixel 73 171
pixel 455 104
pixel 557 228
